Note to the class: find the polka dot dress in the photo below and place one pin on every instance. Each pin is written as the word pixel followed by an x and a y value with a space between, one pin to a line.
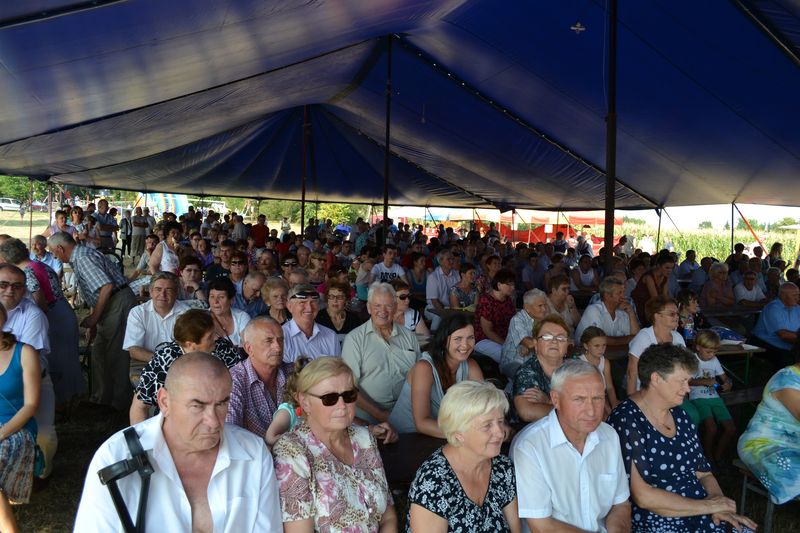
pixel 665 463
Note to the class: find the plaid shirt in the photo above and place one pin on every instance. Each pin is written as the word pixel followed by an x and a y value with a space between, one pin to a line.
pixel 94 271
pixel 251 406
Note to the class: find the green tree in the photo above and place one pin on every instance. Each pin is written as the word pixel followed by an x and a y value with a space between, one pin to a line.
pixel 706 224
pixel 631 220
pixel 727 226
pixel 19 188
pixel 341 212
pixel 785 221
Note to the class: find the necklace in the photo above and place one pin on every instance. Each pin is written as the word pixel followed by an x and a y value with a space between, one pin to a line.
pixel 669 427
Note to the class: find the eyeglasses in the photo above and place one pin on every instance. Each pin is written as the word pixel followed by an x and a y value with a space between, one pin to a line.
pixel 337 297
pixel 289 263
pixel 404 297
pixel 547 337
pixel 671 315
pixel 332 398
pixel 237 262
pixel 16 286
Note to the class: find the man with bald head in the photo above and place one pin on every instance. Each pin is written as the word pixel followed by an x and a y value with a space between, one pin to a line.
pixel 194 454
pixel 777 326
pixel 259 380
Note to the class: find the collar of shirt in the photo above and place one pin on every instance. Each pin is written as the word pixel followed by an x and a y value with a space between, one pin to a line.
pixel 558 438
pixel 177 308
pixel 295 330
pixel 371 329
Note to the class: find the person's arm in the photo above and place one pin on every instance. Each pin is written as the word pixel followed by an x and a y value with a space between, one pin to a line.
pixel 368 405
pixel 474 373
pixel 669 504
pixel 618 519
pixel 31 386
pixel 421 380
pixel 140 354
pixel 714 491
pixel 422 328
pixel 154 264
pixel 633 320
pixel 610 390
pixel 511 514
pixel 650 283
pixel 488 330
pixel 38 298
pixel 532 405
pixel 790 398
pixel 573 309
pixel 786 335
pixel 422 519
pixel 388 520
pixel 632 373
pixel 139 411
pixel 91 321
pixel 279 425
pixel 454 303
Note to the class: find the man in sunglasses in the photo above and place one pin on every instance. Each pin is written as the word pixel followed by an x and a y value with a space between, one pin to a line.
pixel 302 335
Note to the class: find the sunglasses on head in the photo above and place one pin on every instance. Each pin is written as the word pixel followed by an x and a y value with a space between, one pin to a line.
pixel 305 295
pixel 332 398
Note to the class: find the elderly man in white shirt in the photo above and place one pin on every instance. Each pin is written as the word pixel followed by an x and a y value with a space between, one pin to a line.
pixel 208 476
pixel 569 467
pixel 748 293
pixel 302 335
pixel 440 281
pixel 613 314
pixel 151 323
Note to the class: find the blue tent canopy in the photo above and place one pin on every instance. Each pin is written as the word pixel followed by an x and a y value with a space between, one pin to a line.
pixel 492 104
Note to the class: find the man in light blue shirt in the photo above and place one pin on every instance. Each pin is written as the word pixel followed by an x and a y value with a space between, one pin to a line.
pixel 776 329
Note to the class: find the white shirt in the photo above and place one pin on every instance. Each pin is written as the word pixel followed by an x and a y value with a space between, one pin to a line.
pixel 439 284
pixel 323 341
pixel 242 491
pixel 646 338
pixel 740 292
pixel 555 481
pixel 706 369
pixel 29 324
pixel 380 272
pixel 598 315
pixel 147 329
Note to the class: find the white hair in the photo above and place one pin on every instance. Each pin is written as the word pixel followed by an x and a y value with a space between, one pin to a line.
pixel 571 368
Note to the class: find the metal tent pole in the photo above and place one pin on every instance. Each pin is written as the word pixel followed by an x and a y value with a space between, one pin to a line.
pixel 611 136
pixel 733 206
pixel 387 152
pixel 30 215
pixel 306 131
pixel 658 235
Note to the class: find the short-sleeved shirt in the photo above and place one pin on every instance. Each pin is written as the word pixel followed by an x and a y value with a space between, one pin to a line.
pixel 555 481
pixel 29 325
pixel 322 342
pixel 314 484
pixel 251 406
pixel 774 317
pixel 498 312
pixel 521 326
pixel 438 285
pixel 437 489
pixel 645 339
pixel 531 375
pixel 740 292
pixel 94 271
pixel 597 315
pixel 384 274
pixel 147 329
pixel 705 370
pixel 380 367
pixel 155 372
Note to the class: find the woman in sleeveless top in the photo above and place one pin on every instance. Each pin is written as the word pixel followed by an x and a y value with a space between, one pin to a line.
pixel 60 225
pixel 165 257
pixel 20 379
pixel 45 289
pixel 445 363
pixel 584 277
pixel 651 284
pixel 404 315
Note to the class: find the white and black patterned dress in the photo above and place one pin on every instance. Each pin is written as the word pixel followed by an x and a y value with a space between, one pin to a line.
pixel 155 372
pixel 437 489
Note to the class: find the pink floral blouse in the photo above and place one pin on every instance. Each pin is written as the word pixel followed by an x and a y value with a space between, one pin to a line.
pixel 315 484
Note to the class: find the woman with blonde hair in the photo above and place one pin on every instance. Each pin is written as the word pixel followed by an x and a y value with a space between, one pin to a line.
pixel 275 293
pixel 466 485
pixel 329 471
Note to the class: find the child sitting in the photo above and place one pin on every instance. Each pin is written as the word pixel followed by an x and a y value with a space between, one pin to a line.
pixel 288 414
pixel 593 340
pixel 710 408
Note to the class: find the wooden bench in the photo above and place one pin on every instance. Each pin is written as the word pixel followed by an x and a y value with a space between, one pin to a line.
pixel 751 482
pixel 742 396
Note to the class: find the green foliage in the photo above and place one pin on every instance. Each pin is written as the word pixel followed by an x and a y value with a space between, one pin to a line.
pixel 342 212
pixel 706 224
pixel 19 188
pixel 727 226
pixel 631 220
pixel 785 221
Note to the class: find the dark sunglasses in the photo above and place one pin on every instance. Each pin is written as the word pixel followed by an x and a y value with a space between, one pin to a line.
pixel 289 263
pixel 404 297
pixel 332 398
pixel 237 262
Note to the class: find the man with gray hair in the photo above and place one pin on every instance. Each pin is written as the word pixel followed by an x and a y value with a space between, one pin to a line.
pixel 440 281
pixel 519 341
pixel 569 468
pixel 151 323
pixel 39 253
pixel 249 299
pixel 380 353
pixel 613 314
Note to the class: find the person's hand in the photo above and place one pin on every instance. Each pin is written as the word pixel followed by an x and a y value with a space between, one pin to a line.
pixel 720 504
pixel 625 306
pixel 509 432
pixel 736 520
pixel 570 302
pixel 727 385
pixel 384 432
pixel 535 395
pixel 90 334
pixel 89 322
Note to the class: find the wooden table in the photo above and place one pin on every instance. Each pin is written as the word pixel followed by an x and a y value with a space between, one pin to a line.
pixel 747 350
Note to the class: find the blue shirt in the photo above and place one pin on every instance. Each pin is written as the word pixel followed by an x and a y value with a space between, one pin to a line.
pixel 776 316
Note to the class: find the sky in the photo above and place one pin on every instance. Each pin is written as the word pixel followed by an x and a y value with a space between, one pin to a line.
pixel 687 218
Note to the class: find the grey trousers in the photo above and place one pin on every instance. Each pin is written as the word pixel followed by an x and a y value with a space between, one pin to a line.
pixel 110 363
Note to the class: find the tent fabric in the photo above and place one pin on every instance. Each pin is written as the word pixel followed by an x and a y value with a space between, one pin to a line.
pixel 490 106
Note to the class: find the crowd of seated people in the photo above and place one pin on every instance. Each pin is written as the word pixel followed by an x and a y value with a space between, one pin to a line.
pixel 408 322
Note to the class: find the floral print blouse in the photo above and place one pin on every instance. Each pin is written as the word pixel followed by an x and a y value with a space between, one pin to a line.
pixel 315 484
